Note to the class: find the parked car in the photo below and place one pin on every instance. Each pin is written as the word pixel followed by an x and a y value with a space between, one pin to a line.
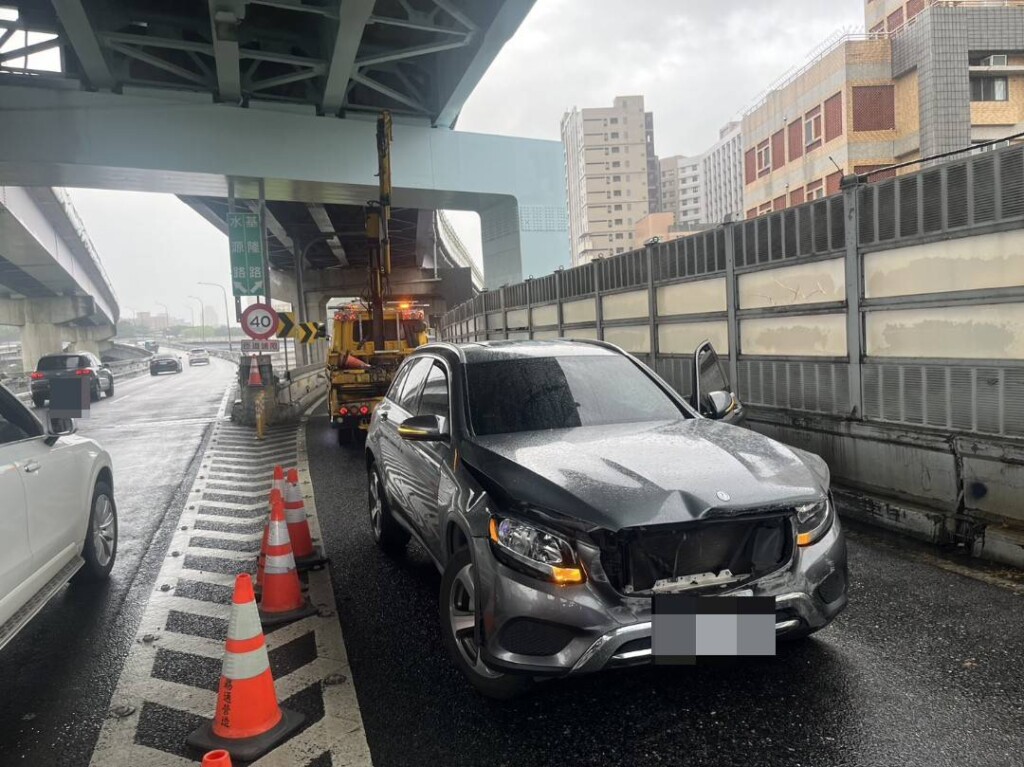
pixel 198 357
pixel 163 363
pixel 59 517
pixel 561 486
pixel 70 365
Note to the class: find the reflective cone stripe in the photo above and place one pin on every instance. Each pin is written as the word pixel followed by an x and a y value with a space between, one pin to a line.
pixel 274 495
pixel 246 700
pixel 295 515
pixel 282 591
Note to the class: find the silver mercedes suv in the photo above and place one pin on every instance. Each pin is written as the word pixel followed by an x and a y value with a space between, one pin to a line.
pixel 562 488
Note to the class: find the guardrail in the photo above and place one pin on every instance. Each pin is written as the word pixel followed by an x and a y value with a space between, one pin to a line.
pixel 121 370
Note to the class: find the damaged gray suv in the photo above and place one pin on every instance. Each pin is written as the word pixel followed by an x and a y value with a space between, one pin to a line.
pixel 561 487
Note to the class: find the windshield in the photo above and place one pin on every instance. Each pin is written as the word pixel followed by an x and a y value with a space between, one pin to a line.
pixel 531 394
pixel 63 362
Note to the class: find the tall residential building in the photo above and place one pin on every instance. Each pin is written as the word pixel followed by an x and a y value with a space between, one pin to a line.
pixel 934 77
pixel 682 188
pixel 722 172
pixel 607 176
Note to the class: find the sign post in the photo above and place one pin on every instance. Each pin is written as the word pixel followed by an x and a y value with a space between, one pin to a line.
pixel 245 239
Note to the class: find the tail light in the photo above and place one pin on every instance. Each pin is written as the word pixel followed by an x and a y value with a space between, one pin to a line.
pixel 364 410
pixel 36 375
pixel 343 411
pixel 83 372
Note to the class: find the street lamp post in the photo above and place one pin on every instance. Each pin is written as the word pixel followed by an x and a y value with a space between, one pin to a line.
pixel 227 314
pixel 202 318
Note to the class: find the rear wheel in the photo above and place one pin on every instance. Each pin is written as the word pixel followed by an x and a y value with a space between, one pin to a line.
pixel 110 389
pixel 94 392
pixel 38 400
pixel 389 535
pixel 100 547
pixel 459 615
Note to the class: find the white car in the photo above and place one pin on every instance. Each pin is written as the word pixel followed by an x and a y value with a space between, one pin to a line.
pixel 58 515
pixel 198 357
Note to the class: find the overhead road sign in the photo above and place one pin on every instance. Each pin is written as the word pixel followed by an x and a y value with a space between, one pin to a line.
pixel 259 321
pixel 245 240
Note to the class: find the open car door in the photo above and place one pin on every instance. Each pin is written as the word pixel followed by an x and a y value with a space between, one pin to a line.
pixel 713 396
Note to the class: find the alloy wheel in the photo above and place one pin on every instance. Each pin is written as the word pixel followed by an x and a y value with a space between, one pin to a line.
pixel 103 529
pixel 376 505
pixel 462 621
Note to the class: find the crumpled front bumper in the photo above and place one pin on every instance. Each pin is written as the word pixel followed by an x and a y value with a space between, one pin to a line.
pixel 605 629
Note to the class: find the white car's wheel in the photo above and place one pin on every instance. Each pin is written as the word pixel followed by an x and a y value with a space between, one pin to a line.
pixel 100 547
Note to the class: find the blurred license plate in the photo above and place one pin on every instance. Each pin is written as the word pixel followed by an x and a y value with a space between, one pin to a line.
pixel 688 627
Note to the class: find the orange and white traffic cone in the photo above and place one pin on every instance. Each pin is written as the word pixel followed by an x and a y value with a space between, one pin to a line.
pixel 255 379
pixel 278 480
pixel 307 556
pixel 218 758
pixel 247 722
pixel 281 600
pixel 275 497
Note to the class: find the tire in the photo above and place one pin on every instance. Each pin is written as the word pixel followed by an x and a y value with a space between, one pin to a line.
pixel 100 549
pixel 389 535
pixel 152 372
pixel 110 391
pixel 38 401
pixel 94 392
pixel 457 606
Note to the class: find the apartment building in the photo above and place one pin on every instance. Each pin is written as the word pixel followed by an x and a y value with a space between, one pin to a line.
pixel 934 77
pixel 608 176
pixel 722 176
pixel 682 188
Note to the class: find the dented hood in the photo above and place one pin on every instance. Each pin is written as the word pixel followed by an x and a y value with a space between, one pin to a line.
pixel 662 472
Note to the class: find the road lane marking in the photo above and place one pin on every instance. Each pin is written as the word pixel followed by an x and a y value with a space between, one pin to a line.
pixel 168 676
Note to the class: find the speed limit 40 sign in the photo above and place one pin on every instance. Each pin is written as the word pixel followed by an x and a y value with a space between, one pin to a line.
pixel 259 321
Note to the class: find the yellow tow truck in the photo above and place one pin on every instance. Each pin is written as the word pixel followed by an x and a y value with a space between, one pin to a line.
pixel 358 372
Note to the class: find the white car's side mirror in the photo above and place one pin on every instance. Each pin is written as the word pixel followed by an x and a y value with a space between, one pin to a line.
pixel 60 427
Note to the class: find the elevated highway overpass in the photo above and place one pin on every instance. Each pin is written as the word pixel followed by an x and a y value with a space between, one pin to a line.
pixel 190 99
pixel 52 283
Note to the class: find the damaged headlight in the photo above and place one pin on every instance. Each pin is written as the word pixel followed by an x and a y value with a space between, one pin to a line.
pixel 536 552
pixel 813 521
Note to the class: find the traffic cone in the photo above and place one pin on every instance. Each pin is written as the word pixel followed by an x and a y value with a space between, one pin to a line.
pixel 255 379
pixel 247 722
pixel 218 758
pixel 307 556
pixel 281 600
pixel 278 480
pixel 275 497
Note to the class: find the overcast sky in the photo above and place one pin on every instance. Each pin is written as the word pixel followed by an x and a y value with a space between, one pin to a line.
pixel 699 64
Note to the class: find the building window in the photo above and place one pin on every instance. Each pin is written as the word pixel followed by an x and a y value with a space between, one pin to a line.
pixel 616 178
pixel 812 128
pixel 618 222
pixel 989 89
pixel 764 158
pixel 615 150
pixel 614 121
pixel 874 108
pixel 615 134
pixel 616 164
pixel 617 193
pixel 618 207
pixel 618 235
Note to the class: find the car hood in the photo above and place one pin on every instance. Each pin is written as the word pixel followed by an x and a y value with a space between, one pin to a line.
pixel 662 472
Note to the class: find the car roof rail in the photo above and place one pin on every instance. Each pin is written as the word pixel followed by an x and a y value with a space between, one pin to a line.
pixel 445 345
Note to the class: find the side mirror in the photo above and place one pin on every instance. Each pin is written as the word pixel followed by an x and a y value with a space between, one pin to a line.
pixel 721 402
pixel 59 427
pixel 423 428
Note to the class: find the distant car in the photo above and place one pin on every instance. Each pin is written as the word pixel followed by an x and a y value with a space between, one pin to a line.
pixel 198 357
pixel 151 345
pixel 68 365
pixel 164 363
pixel 60 519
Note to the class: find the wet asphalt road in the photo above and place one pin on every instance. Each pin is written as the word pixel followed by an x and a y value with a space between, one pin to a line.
pixel 58 675
pixel 924 668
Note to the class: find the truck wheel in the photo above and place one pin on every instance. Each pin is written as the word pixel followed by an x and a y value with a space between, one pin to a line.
pixel 38 401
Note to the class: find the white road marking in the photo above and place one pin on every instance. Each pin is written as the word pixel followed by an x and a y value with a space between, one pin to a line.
pixel 340 731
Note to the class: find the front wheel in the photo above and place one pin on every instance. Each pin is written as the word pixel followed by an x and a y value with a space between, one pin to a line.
pixel 459 615
pixel 100 547
pixel 110 389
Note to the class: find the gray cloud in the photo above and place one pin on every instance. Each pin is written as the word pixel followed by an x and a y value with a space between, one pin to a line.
pixel 699 63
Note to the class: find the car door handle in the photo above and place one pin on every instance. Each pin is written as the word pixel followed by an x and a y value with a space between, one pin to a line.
pixel 31 466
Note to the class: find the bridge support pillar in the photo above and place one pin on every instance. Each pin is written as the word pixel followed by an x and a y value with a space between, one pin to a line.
pixel 47 325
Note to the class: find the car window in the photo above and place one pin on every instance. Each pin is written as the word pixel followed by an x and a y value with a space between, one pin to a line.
pixel 531 394
pixel 434 397
pixel 16 422
pixel 62 362
pixel 396 385
pixel 412 383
